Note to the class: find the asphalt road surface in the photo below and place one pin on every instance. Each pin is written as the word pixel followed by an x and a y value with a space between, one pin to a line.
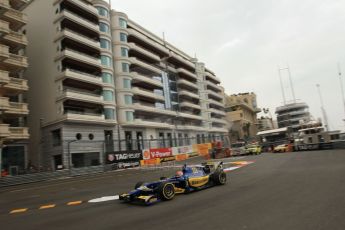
pixel 303 190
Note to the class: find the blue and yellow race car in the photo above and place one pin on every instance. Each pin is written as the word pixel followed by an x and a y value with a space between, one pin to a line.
pixel 191 178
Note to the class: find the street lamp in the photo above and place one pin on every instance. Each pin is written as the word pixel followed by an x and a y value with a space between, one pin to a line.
pixel 69 154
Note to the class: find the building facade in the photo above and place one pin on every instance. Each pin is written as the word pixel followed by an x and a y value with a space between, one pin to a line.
pixel 242 112
pixel 100 77
pixel 14 133
pixel 266 123
pixel 293 116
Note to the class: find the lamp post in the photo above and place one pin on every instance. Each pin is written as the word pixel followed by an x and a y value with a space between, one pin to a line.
pixel 69 154
pixel 1 146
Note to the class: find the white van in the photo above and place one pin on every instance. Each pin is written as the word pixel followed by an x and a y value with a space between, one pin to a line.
pixel 238 149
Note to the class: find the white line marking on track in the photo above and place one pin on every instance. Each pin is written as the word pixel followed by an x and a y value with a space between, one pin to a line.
pixel 103 199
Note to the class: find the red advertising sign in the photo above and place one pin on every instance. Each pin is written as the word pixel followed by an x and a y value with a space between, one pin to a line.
pixel 160 153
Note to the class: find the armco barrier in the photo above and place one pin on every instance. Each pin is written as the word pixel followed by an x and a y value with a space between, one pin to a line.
pixel 45 176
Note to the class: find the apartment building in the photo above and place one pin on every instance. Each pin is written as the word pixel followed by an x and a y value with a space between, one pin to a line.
pixel 242 114
pixel 97 76
pixel 72 85
pixel 161 91
pixel 13 109
pixel 293 116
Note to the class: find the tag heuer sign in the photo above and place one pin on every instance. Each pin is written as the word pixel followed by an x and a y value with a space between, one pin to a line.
pixel 125 156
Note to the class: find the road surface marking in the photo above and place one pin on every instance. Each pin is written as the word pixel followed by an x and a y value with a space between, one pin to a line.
pixel 104 198
pixel 18 210
pixel 47 206
pixel 74 202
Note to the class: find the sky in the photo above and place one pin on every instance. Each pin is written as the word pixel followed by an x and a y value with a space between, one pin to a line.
pixel 245 42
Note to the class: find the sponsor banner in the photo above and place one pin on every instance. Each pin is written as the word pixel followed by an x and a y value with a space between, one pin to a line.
pixel 124 156
pixel 202 149
pixel 161 152
pixel 182 150
pixel 166 159
pixel 146 154
pixel 181 157
pixel 156 161
pixel 193 154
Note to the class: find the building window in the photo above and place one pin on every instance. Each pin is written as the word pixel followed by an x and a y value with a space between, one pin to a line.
pixel 125 67
pixel 105 44
pixel 109 114
pixel 106 61
pixel 123 23
pixel 56 137
pixel 123 37
pixel 108 95
pixel 129 116
pixel 104 27
pixel 107 78
pixel 127 84
pixel 124 52
pixel 128 100
pixel 103 11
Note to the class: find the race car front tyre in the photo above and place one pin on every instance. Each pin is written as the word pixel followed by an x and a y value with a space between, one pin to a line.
pixel 138 184
pixel 166 191
pixel 219 177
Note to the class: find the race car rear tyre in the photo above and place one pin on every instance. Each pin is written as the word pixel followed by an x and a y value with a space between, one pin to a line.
pixel 138 184
pixel 166 191
pixel 219 177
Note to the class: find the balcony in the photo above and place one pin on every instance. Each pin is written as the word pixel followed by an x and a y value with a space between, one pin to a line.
pixel 4 78
pixel 16 108
pixel 188 94
pixel 190 116
pixel 4 52
pixel 15 62
pixel 4 130
pixel 219 121
pixel 147 80
pixel 148 124
pixel 84 117
pixel 213 78
pixel 80 96
pixel 182 60
pixel 218 96
pixel 191 128
pixel 216 111
pixel 147 93
pixel 81 57
pixel 187 73
pixel 4 28
pixel 18 40
pixel 16 18
pixel 218 130
pixel 17 84
pixel 4 103
pixel 144 52
pixel 66 33
pixel 82 5
pixel 188 84
pixel 65 14
pixel 4 6
pixel 18 133
pixel 80 76
pixel 190 105
pixel 219 104
pixel 144 65
pixel 152 109
pixel 216 87
pixel 148 41
pixel 19 4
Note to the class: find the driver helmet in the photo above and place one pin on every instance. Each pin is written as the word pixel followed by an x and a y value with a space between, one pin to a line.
pixel 179 173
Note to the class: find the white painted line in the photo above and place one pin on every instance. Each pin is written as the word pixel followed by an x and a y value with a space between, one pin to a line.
pixel 103 199
pixel 232 168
